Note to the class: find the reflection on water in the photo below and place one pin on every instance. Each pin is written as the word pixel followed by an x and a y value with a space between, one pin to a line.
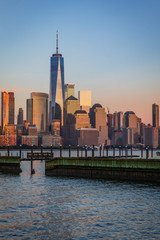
pixel 39 207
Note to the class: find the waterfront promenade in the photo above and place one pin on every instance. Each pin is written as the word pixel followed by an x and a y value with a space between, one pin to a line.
pixel 127 164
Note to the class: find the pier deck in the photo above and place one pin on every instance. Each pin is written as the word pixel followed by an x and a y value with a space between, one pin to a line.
pixel 108 168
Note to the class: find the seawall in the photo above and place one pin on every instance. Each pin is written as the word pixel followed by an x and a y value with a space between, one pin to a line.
pixel 10 165
pixel 107 168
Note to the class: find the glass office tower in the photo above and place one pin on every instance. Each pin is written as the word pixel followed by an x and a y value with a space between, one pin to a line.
pixel 7 108
pixel 155 115
pixel 56 95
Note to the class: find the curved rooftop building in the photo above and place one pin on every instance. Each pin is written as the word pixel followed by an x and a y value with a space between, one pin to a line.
pixel 129 112
pixel 130 120
pixel 92 113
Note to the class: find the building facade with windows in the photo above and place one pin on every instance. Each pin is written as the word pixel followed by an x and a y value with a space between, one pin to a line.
pixel 56 95
pixel 155 115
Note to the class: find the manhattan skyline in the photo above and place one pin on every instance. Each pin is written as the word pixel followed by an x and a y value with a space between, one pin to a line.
pixel 110 48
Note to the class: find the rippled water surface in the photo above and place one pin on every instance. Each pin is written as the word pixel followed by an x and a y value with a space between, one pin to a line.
pixel 40 207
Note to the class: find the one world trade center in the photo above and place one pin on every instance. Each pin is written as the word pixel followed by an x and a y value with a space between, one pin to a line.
pixel 56 94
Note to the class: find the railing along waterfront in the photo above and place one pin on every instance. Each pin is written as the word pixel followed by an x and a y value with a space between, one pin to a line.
pixel 85 151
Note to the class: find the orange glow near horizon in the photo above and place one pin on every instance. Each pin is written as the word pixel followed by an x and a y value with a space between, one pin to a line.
pixel 19 90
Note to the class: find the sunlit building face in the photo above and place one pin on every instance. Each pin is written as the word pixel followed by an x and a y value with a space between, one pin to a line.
pixel 56 87
pixel 7 108
pixel 37 110
pixel 69 90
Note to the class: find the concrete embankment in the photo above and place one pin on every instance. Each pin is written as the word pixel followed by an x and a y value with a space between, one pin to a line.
pixel 107 168
pixel 10 165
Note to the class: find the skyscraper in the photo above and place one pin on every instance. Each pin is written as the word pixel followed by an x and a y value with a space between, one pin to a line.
pixel 29 110
pixel 69 90
pixel 71 105
pixel 7 108
pixel 56 96
pixel 155 115
pixel 11 107
pixel 37 110
pixel 115 121
pixel 130 120
pixel 120 120
pixel 4 109
pixel 20 116
pixel 130 128
pixel 98 119
pixel 84 98
pixel 110 124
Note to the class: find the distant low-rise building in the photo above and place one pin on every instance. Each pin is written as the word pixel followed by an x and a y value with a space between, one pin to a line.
pixel 79 120
pixel 55 127
pixel 128 136
pixel 151 136
pixel 31 138
pixel 49 139
pixel 87 136
pixel 117 138
pixel 9 137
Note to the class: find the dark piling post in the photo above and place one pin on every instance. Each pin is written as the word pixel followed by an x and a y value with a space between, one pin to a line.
pixel 42 150
pixel 131 151
pixel 69 151
pixel 93 151
pixel 106 151
pixel 152 152
pixel 20 150
pixel 100 149
pixel 147 152
pixel 51 150
pixel 60 149
pixel 119 151
pixel 113 151
pixel 103 150
pixel 77 151
pixel 81 151
pixel 8 150
pixel 126 152
pixel 32 170
pixel 141 152
pixel 85 151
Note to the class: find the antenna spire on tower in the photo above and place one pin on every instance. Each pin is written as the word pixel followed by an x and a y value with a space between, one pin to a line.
pixel 57 43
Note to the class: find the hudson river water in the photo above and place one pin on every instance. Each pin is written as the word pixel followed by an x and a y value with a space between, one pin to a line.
pixel 41 207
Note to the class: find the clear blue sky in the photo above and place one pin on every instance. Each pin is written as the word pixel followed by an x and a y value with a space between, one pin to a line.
pixel 109 47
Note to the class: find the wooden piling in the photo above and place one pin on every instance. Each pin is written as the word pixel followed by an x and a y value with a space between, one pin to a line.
pixel 93 151
pixel 78 151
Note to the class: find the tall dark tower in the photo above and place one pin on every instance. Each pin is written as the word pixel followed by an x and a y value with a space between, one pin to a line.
pixel 11 107
pixel 56 96
pixel 155 115
pixel 20 116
